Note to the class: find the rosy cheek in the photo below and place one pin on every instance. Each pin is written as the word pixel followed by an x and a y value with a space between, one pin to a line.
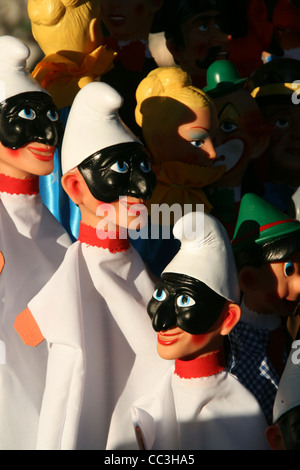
pixel 199 340
pixel 140 9
pixel 13 153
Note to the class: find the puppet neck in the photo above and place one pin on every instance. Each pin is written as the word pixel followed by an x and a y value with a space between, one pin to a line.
pixel 113 241
pixel 203 366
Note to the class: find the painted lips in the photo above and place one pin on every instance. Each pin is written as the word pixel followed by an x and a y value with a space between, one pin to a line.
pixel 43 153
pixel 167 339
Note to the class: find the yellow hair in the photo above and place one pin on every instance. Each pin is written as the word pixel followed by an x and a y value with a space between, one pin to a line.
pixel 63 24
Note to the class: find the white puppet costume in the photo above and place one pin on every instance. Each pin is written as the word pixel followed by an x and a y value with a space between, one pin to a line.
pixel 33 242
pixel 93 310
pixel 198 405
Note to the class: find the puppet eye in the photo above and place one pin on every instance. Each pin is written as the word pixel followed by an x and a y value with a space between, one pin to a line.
pixel 120 167
pixel 197 143
pixel 159 295
pixel 289 268
pixel 282 123
pixel 27 113
pixel 227 127
pixel 185 301
pixel 145 167
pixel 52 115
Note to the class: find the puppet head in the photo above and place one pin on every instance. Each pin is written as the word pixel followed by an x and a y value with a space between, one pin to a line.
pixel 284 433
pixel 194 36
pixel 275 87
pixel 243 134
pixel 196 301
pixel 29 125
pixel 65 25
pixel 266 245
pixel 101 159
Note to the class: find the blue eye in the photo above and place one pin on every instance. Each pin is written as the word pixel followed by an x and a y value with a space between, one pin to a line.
pixel 197 143
pixel 27 113
pixel 159 295
pixel 52 115
pixel 120 167
pixel 227 127
pixel 145 167
pixel 185 301
pixel 289 268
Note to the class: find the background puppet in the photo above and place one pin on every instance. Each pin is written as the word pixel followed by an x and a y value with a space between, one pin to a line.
pixel 179 124
pixel 33 241
pixel 266 245
pixel 242 138
pixel 93 311
pixel 198 405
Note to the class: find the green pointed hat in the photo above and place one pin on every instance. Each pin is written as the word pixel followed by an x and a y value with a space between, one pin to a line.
pixel 260 223
pixel 222 77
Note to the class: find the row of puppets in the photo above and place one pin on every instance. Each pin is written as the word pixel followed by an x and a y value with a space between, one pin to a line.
pixel 181 342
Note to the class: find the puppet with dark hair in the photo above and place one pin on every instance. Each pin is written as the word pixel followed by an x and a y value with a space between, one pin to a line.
pixel 266 245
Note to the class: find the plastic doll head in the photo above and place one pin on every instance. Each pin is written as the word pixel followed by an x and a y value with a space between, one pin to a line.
pixel 194 35
pixel 266 244
pixel 178 120
pixel 243 133
pixel 29 125
pixel 275 86
pixel 65 25
pixel 199 288
pixel 100 156
pixel 129 19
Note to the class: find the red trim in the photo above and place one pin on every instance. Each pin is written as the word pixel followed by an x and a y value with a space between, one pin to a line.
pixel 203 366
pixel 261 229
pixel 89 235
pixel 10 185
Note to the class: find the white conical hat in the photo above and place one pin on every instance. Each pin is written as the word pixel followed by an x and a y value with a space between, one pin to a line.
pixel 206 254
pixel 288 393
pixel 15 78
pixel 93 124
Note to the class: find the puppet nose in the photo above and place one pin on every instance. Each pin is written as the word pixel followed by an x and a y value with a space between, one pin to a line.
pixel 141 185
pixel 164 319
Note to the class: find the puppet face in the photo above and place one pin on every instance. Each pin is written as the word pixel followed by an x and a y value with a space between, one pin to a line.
pixel 204 42
pixel 190 139
pixel 283 151
pixel 29 132
pixel 129 19
pixel 242 135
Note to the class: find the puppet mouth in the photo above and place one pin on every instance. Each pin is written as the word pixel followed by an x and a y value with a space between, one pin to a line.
pixel 117 20
pixel 167 339
pixel 229 154
pixel 45 153
pixel 133 207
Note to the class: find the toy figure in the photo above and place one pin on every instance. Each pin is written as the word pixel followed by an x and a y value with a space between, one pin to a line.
pixel 93 310
pixel 243 137
pixel 283 434
pixel 198 405
pixel 266 245
pixel 32 240
pixel 194 36
pixel 179 124
pixel 275 87
pixel 129 24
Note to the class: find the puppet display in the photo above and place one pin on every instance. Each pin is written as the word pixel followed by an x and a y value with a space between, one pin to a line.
pixel 92 312
pixel 284 433
pixel 31 239
pixel 242 138
pixel 266 245
pixel 194 36
pixel 275 86
pixel 198 405
pixel 179 123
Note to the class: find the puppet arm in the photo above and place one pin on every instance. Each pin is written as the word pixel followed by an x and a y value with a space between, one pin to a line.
pixel 28 329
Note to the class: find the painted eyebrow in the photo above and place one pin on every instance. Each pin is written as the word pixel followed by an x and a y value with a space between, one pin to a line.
pixel 206 18
pixel 199 127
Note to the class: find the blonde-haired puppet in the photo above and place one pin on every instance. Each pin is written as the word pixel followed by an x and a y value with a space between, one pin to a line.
pixel 178 123
pixel 69 34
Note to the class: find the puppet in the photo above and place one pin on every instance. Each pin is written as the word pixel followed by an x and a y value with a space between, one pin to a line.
pixel 243 137
pixel 194 36
pixel 179 124
pixel 284 433
pixel 32 240
pixel 198 405
pixel 275 86
pixel 93 310
pixel 266 245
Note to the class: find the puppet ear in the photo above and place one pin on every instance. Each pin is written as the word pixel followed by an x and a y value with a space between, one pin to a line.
pixel 73 185
pixel 274 437
pixel 174 50
pixel 232 314
pixel 248 277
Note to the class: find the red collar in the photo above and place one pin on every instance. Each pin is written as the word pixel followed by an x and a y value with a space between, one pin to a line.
pixel 90 236
pixel 202 366
pixel 10 185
